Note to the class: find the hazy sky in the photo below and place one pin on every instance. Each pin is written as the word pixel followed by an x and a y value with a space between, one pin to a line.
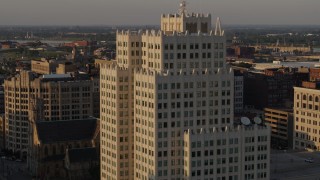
pixel 145 12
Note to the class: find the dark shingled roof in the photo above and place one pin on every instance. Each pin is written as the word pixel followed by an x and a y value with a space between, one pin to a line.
pixel 53 158
pixel 61 131
pixel 83 155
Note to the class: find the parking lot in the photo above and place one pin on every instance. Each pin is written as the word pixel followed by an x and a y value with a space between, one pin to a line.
pixel 293 165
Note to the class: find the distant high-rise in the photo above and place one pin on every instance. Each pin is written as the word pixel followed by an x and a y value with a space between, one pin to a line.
pixel 272 88
pixel 238 92
pixel 167 107
pixel 33 97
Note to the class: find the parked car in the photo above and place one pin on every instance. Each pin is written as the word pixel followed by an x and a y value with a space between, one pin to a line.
pixel 13 158
pixel 309 160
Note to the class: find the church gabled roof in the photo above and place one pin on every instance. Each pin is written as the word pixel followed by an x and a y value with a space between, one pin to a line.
pixel 61 131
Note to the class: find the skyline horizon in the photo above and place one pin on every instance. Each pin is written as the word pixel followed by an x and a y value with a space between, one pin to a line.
pixel 140 25
pixel 118 12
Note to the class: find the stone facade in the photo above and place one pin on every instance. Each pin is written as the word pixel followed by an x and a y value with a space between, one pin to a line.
pixel 162 84
pixel 306 118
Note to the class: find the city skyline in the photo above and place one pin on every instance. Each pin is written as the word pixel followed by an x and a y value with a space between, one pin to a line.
pixel 119 12
pixel 195 99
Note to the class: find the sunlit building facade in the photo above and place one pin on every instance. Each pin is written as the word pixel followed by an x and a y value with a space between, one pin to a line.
pixel 306 116
pixel 162 85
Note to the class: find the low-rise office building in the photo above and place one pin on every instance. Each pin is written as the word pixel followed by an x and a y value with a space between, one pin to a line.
pixel 52 66
pixel 281 123
pixel 66 67
pixel 307 116
pixel 314 74
pixel 44 66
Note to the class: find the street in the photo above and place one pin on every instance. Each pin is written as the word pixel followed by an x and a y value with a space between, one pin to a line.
pixel 290 165
pixel 12 170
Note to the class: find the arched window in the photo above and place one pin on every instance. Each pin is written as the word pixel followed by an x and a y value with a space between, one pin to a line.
pixel 304 97
pixel 62 149
pixel 46 150
pixel 310 98
pixel 298 96
pixel 54 152
pixel 317 99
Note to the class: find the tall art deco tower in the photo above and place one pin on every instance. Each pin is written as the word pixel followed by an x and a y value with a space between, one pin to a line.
pixel 167 107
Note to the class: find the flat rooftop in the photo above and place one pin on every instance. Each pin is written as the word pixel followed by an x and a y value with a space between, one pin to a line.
pixel 55 76
pixel 263 66
pixel 280 109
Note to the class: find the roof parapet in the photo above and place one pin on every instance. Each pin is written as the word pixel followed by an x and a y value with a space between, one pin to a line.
pixel 229 128
pixel 218 30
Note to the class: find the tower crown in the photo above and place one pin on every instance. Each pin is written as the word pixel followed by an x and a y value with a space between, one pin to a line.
pixel 183 21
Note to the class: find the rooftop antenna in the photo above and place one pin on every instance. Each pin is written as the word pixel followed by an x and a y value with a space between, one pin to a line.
pixel 183 7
